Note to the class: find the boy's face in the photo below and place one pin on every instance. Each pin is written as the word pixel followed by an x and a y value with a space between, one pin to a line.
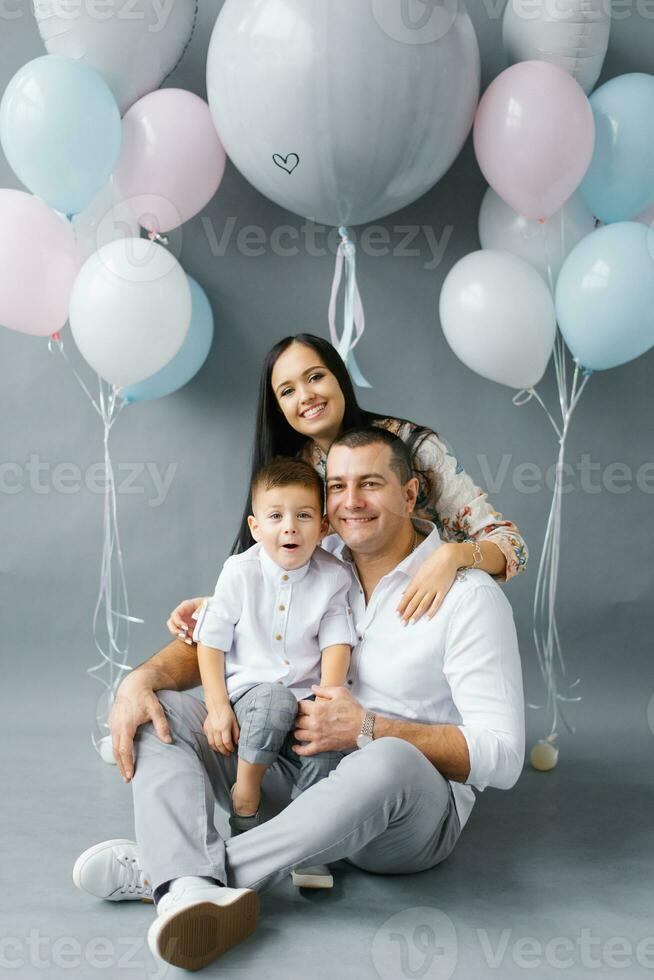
pixel 289 524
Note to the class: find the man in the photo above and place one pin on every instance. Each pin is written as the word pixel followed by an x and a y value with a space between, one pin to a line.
pixel 428 712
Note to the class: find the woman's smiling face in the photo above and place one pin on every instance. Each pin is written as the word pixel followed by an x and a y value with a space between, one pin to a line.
pixel 308 394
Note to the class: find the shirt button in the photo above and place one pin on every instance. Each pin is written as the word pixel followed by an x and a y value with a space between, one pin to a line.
pixel 287 662
pixel 350 682
pixel 284 578
pixel 349 611
pixel 282 608
pixel 278 636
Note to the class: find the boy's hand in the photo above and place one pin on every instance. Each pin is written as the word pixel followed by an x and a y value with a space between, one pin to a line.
pixel 221 728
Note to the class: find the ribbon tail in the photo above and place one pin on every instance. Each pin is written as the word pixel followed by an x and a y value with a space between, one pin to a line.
pixel 353 313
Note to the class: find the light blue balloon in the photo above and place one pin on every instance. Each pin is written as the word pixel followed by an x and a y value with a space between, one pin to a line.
pixel 605 296
pixel 619 182
pixel 60 130
pixel 188 360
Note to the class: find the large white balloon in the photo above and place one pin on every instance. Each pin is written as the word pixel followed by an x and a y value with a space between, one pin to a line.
pixel 342 111
pixel 134 45
pixel 130 310
pixel 498 317
pixel 500 227
pixel 573 34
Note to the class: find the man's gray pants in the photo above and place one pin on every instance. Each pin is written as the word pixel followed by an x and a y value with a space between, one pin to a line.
pixel 385 809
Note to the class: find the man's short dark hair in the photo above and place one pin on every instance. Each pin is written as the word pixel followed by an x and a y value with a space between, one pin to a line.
pixel 401 462
pixel 285 471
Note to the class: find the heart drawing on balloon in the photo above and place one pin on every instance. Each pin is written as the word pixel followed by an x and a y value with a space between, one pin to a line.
pixel 287 163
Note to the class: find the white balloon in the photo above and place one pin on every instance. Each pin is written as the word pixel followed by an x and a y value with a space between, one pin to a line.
pixel 573 34
pixel 130 310
pixel 498 317
pixel 105 220
pixel 342 111
pixel 134 46
pixel 500 227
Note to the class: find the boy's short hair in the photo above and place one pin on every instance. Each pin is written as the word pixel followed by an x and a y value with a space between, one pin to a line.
pixel 401 462
pixel 285 471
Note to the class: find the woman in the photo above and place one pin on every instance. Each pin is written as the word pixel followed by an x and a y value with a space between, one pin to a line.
pixel 306 400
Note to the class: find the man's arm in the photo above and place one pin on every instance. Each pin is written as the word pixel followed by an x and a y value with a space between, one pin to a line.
pixel 174 668
pixel 443 745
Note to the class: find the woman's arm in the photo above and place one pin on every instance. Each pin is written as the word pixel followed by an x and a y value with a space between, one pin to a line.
pixel 463 514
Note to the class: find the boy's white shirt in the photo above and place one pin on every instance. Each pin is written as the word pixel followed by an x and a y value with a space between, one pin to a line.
pixel 272 623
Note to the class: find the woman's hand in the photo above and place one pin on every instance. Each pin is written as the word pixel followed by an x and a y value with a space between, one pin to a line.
pixel 180 622
pixel 221 728
pixel 431 583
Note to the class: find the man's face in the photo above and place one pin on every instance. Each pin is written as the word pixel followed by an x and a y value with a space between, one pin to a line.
pixel 366 503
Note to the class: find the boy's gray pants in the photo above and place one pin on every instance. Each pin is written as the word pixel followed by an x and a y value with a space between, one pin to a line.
pixel 385 808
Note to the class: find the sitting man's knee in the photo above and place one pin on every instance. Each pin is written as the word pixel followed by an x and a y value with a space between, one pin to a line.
pixel 393 757
pixel 181 709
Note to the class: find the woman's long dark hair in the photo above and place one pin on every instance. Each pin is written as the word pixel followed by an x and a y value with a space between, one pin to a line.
pixel 275 437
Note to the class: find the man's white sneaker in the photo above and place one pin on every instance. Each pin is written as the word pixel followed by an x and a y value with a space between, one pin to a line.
pixel 110 870
pixel 196 924
pixel 314 876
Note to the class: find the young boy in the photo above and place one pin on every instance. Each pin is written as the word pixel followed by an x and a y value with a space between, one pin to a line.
pixel 277 623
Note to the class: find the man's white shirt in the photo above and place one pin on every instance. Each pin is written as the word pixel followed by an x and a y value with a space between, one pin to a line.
pixel 460 668
pixel 273 623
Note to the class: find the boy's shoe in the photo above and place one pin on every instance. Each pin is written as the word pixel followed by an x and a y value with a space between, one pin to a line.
pixel 110 870
pixel 313 876
pixel 196 924
pixel 240 824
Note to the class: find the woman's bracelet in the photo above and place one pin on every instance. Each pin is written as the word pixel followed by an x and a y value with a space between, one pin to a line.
pixel 477 557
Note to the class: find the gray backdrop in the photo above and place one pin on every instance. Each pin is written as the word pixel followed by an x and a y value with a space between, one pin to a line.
pixel 49 556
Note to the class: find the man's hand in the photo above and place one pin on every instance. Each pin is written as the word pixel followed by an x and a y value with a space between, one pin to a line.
pixel 135 704
pixel 330 723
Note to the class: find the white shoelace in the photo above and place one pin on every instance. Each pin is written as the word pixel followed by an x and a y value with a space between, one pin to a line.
pixel 131 877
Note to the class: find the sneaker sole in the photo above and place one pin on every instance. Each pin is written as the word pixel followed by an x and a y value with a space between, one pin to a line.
pixel 199 934
pixel 312 881
pixel 89 852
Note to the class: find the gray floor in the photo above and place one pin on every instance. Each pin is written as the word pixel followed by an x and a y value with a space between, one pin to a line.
pixel 563 859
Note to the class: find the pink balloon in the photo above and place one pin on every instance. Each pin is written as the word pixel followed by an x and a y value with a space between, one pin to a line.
pixel 38 265
pixel 171 159
pixel 534 136
pixel 646 217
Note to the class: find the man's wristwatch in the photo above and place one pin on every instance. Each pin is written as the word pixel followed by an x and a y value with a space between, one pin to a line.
pixel 366 734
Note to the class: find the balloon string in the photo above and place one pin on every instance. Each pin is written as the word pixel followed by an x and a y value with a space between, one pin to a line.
pixel 111 639
pixel 353 314
pixel 545 628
